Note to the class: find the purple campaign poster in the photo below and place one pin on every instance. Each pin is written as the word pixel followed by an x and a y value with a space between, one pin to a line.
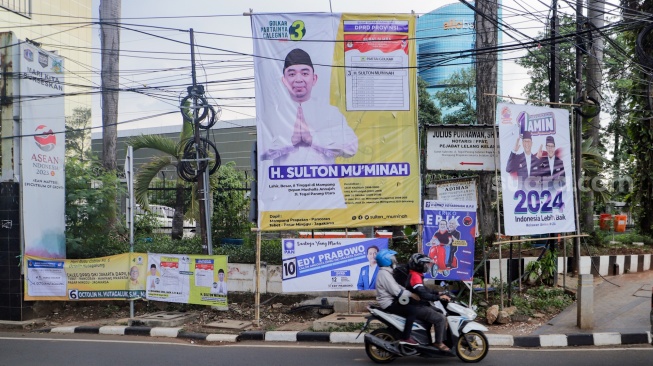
pixel 448 238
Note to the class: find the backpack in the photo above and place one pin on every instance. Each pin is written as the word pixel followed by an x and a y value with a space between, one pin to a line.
pixel 400 274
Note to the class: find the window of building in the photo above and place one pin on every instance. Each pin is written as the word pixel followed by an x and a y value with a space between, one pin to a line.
pixel 22 7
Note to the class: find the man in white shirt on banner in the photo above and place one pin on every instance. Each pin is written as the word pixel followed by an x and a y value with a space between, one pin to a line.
pixel 320 133
pixel 220 287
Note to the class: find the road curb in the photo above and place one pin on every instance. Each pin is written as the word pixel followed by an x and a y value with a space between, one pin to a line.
pixel 494 340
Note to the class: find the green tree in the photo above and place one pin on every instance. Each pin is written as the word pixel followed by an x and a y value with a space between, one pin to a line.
pixel 460 95
pixel 231 204
pixel 172 155
pixel 427 112
pixel 88 190
pixel 640 118
pixel 537 62
pixel 78 134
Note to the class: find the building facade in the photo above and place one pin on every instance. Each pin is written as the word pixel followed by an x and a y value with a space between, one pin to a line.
pixel 234 141
pixel 61 27
pixel 446 40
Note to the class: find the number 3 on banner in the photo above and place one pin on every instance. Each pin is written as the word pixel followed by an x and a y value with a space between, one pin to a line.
pixel 290 268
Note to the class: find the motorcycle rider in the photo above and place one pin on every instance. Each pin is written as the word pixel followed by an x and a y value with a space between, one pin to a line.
pixel 418 264
pixel 393 297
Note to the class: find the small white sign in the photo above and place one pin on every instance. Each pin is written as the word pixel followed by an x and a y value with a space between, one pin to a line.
pixel 461 148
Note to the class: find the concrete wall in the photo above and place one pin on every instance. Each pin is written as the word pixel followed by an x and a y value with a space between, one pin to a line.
pixel 241 277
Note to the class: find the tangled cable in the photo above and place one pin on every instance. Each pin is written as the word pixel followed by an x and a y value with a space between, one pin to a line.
pixel 197 156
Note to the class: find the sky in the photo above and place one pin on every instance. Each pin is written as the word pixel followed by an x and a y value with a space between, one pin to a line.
pixel 155 50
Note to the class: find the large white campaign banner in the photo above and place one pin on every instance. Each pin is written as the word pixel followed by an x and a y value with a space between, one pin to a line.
pixel 42 152
pixel 332 91
pixel 330 264
pixel 536 169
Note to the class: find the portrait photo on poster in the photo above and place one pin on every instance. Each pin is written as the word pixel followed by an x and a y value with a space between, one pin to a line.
pixel 307 135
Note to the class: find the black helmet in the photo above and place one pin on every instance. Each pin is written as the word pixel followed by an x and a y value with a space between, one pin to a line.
pixel 418 262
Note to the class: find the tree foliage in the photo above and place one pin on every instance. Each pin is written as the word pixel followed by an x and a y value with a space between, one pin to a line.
pixel 640 123
pixel 537 61
pixel 171 154
pixel 460 96
pixel 231 203
pixel 88 190
pixel 428 113
pixel 78 134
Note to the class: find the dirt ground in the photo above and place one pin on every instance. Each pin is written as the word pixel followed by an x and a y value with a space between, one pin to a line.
pixel 280 312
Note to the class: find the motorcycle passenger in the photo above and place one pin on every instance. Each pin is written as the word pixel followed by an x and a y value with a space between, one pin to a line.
pixel 418 265
pixel 391 296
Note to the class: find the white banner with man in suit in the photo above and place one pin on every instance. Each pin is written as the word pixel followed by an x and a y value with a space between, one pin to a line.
pixel 536 170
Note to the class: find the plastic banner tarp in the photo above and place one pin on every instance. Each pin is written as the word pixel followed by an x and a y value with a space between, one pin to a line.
pixel 330 264
pixel 448 238
pixel 42 151
pixel 336 121
pixel 536 171
pixel 187 279
pixel 114 277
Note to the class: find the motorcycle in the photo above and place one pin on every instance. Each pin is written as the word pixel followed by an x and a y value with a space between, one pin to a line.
pixel 464 336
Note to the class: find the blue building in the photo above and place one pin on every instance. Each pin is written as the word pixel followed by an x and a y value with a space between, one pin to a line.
pixel 445 42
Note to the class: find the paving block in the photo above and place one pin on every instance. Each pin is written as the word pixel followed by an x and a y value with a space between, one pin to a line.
pixel 228 324
pixel 168 319
pixel 338 321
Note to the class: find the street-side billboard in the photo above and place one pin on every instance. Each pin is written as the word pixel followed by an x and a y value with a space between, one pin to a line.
pixel 42 151
pixel 116 277
pixel 330 264
pixel 449 238
pixel 187 279
pixel 536 171
pixel 461 148
pixel 336 120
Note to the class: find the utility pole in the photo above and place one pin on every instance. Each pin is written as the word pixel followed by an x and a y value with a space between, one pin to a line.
pixel 487 33
pixel 578 130
pixel 110 45
pixel 554 77
pixel 595 15
pixel 202 182
pixel 554 87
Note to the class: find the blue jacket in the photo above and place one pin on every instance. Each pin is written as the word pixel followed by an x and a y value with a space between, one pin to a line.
pixel 364 278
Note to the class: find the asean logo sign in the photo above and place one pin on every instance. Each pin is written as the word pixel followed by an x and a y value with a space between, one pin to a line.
pixel 45 139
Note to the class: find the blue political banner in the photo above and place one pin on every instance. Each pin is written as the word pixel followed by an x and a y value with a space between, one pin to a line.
pixel 330 264
pixel 448 238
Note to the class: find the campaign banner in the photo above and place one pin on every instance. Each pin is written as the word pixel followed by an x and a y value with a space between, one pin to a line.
pixel 332 91
pixel 42 151
pixel 536 171
pixel 330 264
pixel 117 277
pixel 448 238
pixel 187 279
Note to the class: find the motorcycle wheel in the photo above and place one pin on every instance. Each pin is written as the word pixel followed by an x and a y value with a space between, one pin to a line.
pixel 379 355
pixel 472 347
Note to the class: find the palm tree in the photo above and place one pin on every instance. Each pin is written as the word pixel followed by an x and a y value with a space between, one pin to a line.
pixel 147 172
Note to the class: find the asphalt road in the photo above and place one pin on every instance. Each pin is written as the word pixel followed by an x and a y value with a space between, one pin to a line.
pixel 27 349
